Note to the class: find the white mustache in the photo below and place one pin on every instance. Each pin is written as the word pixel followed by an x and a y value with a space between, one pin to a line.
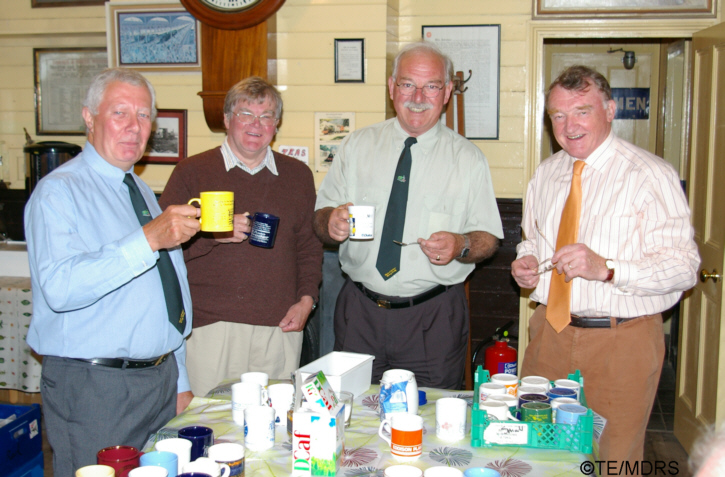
pixel 417 107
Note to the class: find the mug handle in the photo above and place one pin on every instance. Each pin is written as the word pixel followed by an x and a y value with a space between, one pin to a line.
pixel 225 470
pixel 251 221
pixel 198 201
pixel 511 416
pixel 380 432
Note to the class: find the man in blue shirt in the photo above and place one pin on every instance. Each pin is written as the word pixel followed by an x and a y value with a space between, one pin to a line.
pixel 111 334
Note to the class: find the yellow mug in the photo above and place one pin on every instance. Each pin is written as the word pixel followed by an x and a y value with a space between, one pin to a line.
pixel 217 211
pixel 96 471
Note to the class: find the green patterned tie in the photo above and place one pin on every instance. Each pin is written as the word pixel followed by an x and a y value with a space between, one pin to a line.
pixel 388 263
pixel 169 279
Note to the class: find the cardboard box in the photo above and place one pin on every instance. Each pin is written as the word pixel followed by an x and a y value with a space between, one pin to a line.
pixel 318 393
pixel 20 439
pixel 318 442
pixel 345 371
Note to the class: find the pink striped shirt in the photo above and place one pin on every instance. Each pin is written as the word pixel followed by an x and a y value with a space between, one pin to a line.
pixel 633 212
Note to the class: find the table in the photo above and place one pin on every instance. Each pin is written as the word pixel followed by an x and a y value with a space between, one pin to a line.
pixel 19 369
pixel 365 453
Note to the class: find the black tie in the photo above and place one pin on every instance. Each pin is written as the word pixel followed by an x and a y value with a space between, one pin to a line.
pixel 169 279
pixel 388 263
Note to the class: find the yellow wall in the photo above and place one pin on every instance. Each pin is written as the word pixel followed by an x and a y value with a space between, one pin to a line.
pixel 304 34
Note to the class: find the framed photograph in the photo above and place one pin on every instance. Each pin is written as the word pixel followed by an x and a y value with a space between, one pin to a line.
pixel 624 8
pixel 62 77
pixel 476 51
pixel 330 130
pixel 350 60
pixel 167 143
pixel 159 36
pixel 64 3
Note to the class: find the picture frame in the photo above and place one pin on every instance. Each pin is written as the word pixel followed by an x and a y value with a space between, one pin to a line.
pixel 152 37
pixel 167 142
pixel 330 129
pixel 557 9
pixel 64 3
pixel 476 51
pixel 349 60
pixel 62 77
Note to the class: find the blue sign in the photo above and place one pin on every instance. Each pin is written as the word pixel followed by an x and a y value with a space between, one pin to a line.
pixel 632 103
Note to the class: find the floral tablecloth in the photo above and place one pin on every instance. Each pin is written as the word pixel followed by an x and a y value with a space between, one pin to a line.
pixel 366 454
pixel 18 367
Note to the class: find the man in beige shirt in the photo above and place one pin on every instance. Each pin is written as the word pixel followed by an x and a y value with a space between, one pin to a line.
pixel 415 316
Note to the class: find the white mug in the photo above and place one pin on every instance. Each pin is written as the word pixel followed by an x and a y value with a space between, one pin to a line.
pixel 451 419
pixel 511 401
pixel 569 384
pixel 149 471
pixel 399 377
pixel 281 397
pixel 362 222
pixel 402 471
pixel 180 447
pixel 529 389
pixel 228 453
pixel 511 381
pixel 244 395
pixel 208 466
pixel 258 428
pixel 260 378
pixel 442 471
pixel 96 471
pixel 404 435
pixel 536 381
pixel 497 410
pixel 485 390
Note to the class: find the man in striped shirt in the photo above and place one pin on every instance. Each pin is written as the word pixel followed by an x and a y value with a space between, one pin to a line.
pixel 633 258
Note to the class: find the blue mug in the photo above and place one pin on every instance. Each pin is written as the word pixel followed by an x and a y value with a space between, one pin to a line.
pixel 561 392
pixel 201 439
pixel 167 460
pixel 481 472
pixel 264 230
pixel 569 413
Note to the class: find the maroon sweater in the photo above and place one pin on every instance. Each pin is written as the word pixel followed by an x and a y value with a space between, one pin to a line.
pixel 238 282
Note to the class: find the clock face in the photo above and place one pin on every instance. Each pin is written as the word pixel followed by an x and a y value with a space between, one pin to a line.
pixel 230 5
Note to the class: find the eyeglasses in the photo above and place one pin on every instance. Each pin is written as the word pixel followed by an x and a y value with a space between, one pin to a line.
pixel 429 90
pixel 245 117
pixel 550 266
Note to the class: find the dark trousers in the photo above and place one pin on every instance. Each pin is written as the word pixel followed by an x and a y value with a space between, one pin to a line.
pixel 87 408
pixel 429 339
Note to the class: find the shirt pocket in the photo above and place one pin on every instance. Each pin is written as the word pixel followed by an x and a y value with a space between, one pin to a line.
pixel 441 213
pixel 614 237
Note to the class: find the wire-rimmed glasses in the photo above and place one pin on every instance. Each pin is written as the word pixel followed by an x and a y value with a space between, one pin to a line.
pixel 428 90
pixel 245 117
pixel 550 266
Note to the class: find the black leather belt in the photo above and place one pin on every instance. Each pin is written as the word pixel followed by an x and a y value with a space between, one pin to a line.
pixel 123 363
pixel 594 321
pixel 403 302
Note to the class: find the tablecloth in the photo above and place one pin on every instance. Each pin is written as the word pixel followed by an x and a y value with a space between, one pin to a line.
pixel 18 367
pixel 365 453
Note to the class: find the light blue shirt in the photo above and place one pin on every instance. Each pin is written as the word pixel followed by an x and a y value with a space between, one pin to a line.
pixel 96 290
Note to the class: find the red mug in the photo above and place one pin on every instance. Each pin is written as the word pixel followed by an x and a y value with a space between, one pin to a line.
pixel 122 458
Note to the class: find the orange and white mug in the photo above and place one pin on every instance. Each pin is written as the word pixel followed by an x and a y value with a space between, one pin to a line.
pixel 404 433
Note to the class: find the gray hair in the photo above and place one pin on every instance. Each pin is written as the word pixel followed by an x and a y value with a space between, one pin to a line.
pixel 252 90
pixel 102 80
pixel 423 47
pixel 579 78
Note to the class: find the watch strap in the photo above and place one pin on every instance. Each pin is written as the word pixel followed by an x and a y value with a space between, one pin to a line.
pixel 610 272
pixel 466 247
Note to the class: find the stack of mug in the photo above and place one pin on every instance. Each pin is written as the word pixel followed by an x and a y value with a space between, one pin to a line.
pixel 534 399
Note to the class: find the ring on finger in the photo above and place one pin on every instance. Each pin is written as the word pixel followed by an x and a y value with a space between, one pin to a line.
pixel 438 257
pixel 570 267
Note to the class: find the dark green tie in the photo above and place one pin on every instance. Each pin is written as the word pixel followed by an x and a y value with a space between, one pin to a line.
pixel 169 279
pixel 388 263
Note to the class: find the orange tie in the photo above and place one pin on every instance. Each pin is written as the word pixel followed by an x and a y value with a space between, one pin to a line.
pixel 558 310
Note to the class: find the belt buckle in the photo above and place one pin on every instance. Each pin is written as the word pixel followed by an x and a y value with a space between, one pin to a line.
pixel 383 303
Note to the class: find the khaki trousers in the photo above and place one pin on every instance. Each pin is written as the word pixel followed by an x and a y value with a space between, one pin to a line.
pixel 225 350
pixel 621 368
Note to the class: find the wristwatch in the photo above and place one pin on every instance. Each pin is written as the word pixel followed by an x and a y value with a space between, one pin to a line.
pixel 610 267
pixel 466 247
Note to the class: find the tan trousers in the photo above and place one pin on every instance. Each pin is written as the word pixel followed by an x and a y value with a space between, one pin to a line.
pixel 225 350
pixel 621 368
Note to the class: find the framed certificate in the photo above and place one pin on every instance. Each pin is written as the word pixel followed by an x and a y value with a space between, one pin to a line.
pixel 350 60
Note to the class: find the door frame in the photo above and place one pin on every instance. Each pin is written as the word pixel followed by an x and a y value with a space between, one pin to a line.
pixel 541 30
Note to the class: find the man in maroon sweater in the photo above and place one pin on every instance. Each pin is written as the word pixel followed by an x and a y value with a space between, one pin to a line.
pixel 250 303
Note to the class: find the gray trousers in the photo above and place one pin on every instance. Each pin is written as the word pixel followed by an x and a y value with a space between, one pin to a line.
pixel 429 339
pixel 87 408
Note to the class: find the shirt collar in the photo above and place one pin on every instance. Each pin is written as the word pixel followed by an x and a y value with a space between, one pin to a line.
pixel 425 140
pixel 598 159
pixel 110 172
pixel 231 160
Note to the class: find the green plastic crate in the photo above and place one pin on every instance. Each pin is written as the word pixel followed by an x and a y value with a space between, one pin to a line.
pixel 536 435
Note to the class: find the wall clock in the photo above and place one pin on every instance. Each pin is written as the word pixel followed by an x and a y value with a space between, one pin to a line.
pixel 232 14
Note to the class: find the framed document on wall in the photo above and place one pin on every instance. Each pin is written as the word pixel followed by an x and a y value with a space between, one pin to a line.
pixel 62 77
pixel 474 50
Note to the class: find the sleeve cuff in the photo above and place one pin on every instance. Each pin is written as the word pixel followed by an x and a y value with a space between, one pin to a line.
pixel 138 252
pixel 625 275
pixel 182 384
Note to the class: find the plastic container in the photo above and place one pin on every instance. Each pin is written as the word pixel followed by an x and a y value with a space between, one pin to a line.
pixel 344 371
pixel 21 444
pixel 538 435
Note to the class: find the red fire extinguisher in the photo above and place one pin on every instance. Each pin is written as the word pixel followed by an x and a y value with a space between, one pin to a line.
pixel 501 358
